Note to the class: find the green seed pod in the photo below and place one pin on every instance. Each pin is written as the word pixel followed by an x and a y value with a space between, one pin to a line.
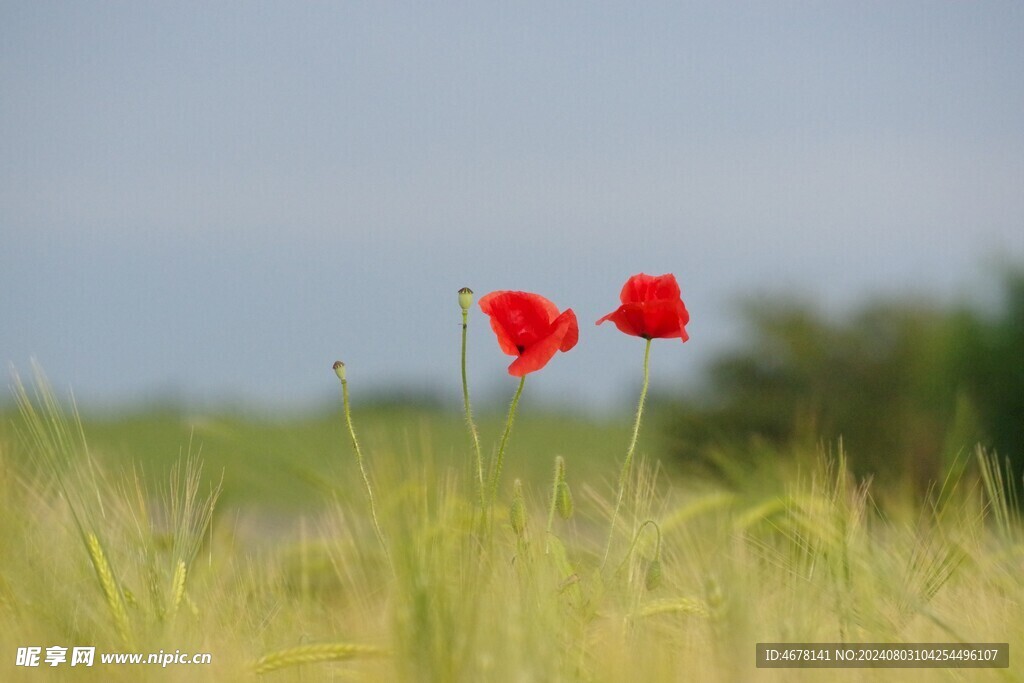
pixel 339 370
pixel 465 298
pixel 564 498
pixel 653 577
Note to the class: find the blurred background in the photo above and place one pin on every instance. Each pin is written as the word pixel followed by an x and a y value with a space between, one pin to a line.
pixel 204 205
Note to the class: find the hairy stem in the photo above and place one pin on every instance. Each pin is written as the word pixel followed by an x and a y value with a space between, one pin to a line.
pixel 624 474
pixel 362 470
pixel 496 475
pixel 481 485
pixel 636 538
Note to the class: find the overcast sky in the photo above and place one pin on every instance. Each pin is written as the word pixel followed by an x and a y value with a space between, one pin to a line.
pixel 217 200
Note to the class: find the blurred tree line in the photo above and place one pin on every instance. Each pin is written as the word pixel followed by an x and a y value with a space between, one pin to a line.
pixel 908 387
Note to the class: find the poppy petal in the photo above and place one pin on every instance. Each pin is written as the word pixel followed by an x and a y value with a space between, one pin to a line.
pixel 529 326
pixel 549 307
pixel 490 304
pixel 642 287
pixel 538 354
pixel 684 319
pixel 519 319
pixel 572 334
pixel 504 340
pixel 652 308
pixel 661 318
pixel 626 319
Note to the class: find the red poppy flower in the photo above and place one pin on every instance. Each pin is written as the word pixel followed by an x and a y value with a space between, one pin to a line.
pixel 651 308
pixel 529 326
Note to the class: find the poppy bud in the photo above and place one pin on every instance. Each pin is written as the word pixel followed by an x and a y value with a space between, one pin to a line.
pixel 339 370
pixel 465 298
pixel 653 577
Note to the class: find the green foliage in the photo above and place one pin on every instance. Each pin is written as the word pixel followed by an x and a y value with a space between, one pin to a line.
pixel 908 387
pixel 308 454
pixel 991 363
pixel 700 573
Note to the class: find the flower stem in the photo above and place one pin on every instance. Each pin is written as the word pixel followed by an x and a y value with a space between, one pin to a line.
pixel 624 474
pixel 362 467
pixel 496 475
pixel 469 419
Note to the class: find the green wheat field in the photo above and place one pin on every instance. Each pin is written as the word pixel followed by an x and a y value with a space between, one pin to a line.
pixel 252 540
